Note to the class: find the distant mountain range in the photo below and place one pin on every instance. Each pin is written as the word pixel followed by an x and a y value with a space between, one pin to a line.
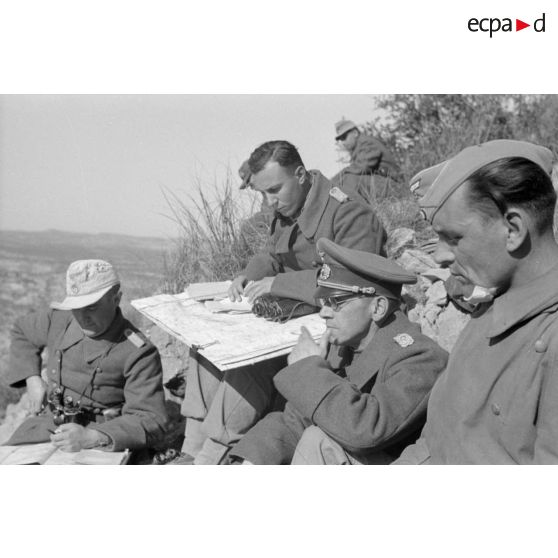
pixel 126 252
pixel 55 239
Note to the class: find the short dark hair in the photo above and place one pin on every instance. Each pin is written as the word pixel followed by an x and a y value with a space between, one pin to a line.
pixel 280 151
pixel 514 181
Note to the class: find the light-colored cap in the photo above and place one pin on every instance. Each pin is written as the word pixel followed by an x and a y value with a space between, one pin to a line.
pixel 343 126
pixel 86 282
pixel 457 170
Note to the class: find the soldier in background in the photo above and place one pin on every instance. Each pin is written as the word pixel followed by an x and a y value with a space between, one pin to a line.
pixel 372 169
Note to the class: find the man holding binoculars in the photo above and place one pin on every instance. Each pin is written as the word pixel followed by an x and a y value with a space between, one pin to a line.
pixel 103 385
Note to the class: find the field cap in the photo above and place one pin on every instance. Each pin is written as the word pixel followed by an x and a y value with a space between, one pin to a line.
pixel 458 169
pixel 343 126
pixel 87 281
pixel 245 175
pixel 353 271
pixel 421 182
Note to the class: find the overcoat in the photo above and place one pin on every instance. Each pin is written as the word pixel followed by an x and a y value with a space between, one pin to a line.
pixel 373 401
pixel 290 253
pixel 497 401
pixel 119 370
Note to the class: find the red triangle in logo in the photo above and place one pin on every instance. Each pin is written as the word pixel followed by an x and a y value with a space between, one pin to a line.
pixel 519 25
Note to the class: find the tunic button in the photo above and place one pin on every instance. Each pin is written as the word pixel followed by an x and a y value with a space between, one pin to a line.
pixel 540 346
pixel 315 263
pixel 53 371
pixel 495 409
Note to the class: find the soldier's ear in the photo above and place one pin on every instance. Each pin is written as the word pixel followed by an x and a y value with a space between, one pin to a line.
pixel 118 298
pixel 379 308
pixel 300 173
pixel 517 222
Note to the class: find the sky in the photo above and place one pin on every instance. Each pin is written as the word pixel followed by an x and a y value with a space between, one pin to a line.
pixel 99 163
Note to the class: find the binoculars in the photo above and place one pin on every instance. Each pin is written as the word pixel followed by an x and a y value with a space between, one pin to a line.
pixel 277 309
pixel 65 410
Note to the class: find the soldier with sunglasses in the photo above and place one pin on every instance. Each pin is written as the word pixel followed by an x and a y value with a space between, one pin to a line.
pixel 360 394
pixel 372 170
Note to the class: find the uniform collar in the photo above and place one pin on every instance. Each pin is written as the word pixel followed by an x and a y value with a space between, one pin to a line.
pixel 315 204
pixel 523 303
pixel 93 348
pixel 72 335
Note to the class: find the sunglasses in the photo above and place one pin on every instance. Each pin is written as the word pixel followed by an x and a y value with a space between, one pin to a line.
pixel 335 302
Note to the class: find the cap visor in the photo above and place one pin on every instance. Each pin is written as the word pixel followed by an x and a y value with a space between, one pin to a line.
pixel 323 292
pixel 77 302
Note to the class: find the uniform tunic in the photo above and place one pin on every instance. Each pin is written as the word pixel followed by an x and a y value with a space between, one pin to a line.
pixel 497 402
pixel 290 254
pixel 369 404
pixel 372 169
pixel 121 369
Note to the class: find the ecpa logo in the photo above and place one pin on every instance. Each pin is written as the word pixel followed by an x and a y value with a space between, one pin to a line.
pixel 492 25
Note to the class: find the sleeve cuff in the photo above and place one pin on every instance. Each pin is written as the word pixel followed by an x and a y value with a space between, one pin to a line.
pixel 306 383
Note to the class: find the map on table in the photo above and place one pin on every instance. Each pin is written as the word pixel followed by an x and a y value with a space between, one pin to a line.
pixel 227 339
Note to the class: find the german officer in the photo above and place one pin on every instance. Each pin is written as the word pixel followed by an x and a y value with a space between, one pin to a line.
pixel 220 408
pixel 307 208
pixel 104 382
pixel 368 398
pixel 492 206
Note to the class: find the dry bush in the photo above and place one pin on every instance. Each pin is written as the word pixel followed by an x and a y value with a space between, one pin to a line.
pixel 217 235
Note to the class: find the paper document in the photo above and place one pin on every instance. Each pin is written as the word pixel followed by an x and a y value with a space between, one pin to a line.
pixel 208 291
pixel 226 305
pixel 48 454
pixel 228 340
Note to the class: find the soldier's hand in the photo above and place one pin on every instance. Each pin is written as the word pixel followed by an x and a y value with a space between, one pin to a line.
pixel 236 290
pixel 306 346
pixel 257 288
pixel 37 389
pixel 74 437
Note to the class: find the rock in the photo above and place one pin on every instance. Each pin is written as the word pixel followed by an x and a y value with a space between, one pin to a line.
pixel 437 274
pixel 437 294
pixel 174 354
pixel 450 323
pixel 416 260
pixel 16 413
pixel 399 239
pixel 443 324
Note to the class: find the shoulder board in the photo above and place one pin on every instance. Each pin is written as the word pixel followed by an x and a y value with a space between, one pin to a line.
pixel 337 194
pixel 134 338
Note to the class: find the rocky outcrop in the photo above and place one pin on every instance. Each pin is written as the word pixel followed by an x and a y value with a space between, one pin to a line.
pixel 427 300
pixel 16 413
